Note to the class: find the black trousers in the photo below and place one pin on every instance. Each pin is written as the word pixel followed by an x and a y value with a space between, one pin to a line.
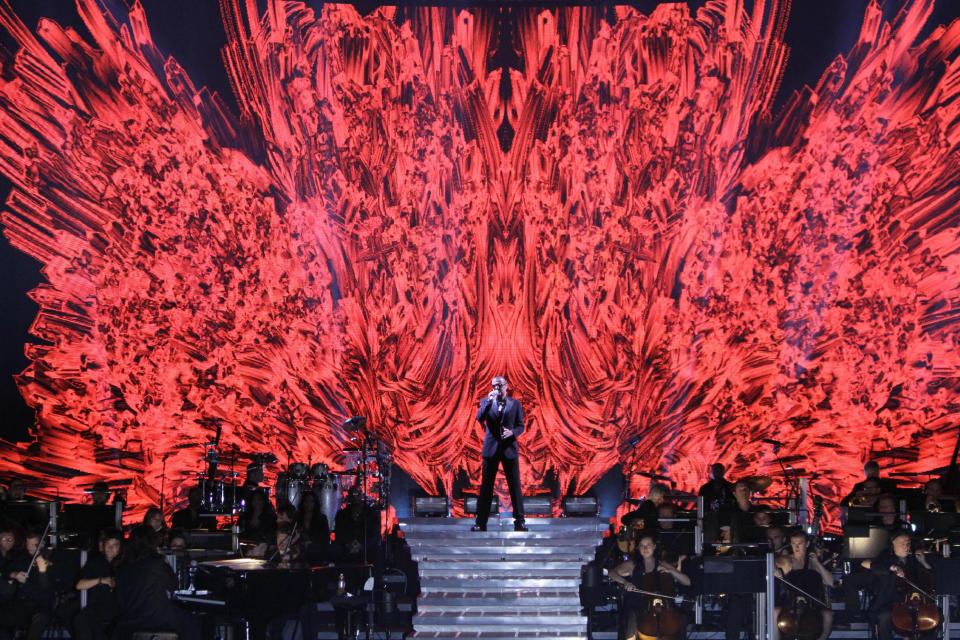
pixel 511 469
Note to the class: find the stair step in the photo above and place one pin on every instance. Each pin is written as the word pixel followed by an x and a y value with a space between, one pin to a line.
pixel 569 630
pixel 522 607
pixel 507 534
pixel 471 595
pixel 521 540
pixel 504 555
pixel 501 584
pixel 433 584
pixel 493 566
pixel 497 635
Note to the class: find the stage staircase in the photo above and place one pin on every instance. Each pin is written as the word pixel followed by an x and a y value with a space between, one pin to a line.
pixel 501 584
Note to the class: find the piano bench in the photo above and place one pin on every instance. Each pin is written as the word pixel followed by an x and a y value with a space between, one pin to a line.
pixel 154 635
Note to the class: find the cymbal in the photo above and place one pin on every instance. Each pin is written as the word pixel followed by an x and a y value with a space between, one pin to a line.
pixel 356 423
pixel 651 474
pixel 758 483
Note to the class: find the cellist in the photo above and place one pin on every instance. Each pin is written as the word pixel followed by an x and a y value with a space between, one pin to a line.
pixel 803 570
pixel 645 572
pixel 900 561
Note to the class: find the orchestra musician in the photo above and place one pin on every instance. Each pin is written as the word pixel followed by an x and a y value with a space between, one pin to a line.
pixel 935 501
pixel 190 517
pixel 502 419
pixel 258 522
pixel 645 572
pixel 899 561
pixel 29 606
pixel 801 568
pixel 96 577
pixel 144 583
pixel 646 512
pixel 717 493
pixel 777 539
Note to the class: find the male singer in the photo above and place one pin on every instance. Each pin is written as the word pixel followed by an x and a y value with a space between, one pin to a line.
pixel 502 418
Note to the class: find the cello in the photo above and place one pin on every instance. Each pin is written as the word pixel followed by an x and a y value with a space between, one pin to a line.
pixel 917 612
pixel 661 620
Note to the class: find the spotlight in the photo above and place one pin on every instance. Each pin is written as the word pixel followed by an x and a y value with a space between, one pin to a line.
pixel 470 505
pixel 581 506
pixel 431 506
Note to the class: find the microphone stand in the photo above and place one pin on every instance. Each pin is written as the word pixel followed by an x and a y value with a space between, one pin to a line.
pixel 792 483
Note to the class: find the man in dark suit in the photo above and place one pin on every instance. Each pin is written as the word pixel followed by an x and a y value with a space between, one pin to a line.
pixel 502 418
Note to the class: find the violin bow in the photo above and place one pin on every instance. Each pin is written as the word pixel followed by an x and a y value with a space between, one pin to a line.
pixel 43 539
pixel 796 588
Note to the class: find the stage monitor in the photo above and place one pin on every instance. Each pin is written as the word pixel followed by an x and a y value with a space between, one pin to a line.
pixel 864 543
pixel 85 518
pixel 734 575
pixel 30 514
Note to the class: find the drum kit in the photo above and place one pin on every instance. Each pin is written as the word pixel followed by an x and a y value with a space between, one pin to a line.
pixel 367 466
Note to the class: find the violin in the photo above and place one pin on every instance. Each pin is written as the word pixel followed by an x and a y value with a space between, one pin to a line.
pixel 917 612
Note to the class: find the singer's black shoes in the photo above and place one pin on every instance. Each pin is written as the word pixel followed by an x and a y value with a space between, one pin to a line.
pixel 519 526
pixel 477 527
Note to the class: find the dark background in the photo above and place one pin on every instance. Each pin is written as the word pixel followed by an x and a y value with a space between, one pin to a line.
pixel 191 32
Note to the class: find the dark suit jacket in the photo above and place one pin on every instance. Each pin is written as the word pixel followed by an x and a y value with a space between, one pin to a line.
pixel 494 424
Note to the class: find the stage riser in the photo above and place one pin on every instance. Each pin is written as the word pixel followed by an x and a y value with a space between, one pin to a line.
pixel 500 583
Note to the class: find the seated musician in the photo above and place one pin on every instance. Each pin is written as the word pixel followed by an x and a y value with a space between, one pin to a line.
pixel 777 539
pixel 258 522
pixel 8 547
pixel 17 491
pixel 645 572
pixel 891 569
pixel 286 514
pixel 100 493
pixel 647 511
pixel 803 570
pixel 144 585
pixel 286 547
pixel 353 521
pixel 313 524
pixel 176 541
pixel 890 520
pixel 95 621
pixel 747 518
pixel 190 517
pixel 864 492
pixel 153 518
pixel 29 607
pixel 717 493
pixel 935 501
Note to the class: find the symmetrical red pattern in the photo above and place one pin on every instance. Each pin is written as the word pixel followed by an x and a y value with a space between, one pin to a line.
pixel 666 271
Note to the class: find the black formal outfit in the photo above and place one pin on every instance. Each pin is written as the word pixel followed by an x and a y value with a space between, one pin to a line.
pixel 30 605
pixel 351 524
pixel 635 605
pixel 95 621
pixel 497 416
pixel 143 591
pixel 717 495
pixel 885 587
pixel 647 511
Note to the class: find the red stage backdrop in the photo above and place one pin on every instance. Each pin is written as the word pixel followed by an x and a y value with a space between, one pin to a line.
pixel 667 270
